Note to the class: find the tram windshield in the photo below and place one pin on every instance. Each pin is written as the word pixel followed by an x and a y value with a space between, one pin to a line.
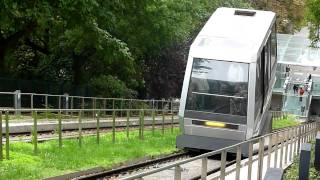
pixel 218 87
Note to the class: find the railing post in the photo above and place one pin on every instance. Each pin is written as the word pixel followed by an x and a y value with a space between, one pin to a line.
pixel 223 165
pixel 142 124
pixel 113 126
pixel 66 103
pixel 35 132
pixel 304 161
pixel 163 118
pixel 7 135
pixel 281 149
pixel 80 129
pixel 172 116
pixel 317 153
pixel 60 129
pixel 177 173
pixel 276 150
pixel 1 146
pixel 260 157
pixel 46 105
pixel 128 121
pixel 31 101
pixel 153 120
pixel 238 161
pixel 204 168
pixel 17 102
pixel 269 150
pixel 250 153
pixel 98 127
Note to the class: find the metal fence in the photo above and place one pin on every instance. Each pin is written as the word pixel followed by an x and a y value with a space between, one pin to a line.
pixel 287 141
pixel 166 118
pixel 18 100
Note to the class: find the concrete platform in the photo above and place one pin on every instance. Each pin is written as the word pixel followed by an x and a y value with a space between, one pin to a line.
pixel 72 124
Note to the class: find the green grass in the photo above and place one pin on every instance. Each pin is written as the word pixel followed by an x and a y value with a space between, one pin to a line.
pixel 51 160
pixel 292 172
pixel 286 121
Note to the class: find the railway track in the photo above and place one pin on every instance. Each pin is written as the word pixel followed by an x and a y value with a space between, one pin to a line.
pixel 101 173
pixel 69 134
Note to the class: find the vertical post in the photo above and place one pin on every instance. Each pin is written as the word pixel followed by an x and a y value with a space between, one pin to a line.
pixel 128 121
pixel 97 115
pixel 162 127
pixel 177 173
pixel 250 160
pixel 94 105
pixel 295 141
pixel 223 165
pixel 46 105
pixel 113 126
pixel 204 168
pixel 1 148
pixel 299 138
pixel 7 134
pixel 71 106
pixel 82 103
pixel 238 161
pixel 17 102
pixel 35 132
pixel 66 103
pixel 31 101
pixel 153 120
pixel 287 146
pixel 59 102
pixel 142 124
pixel 105 106
pixel 281 149
pixel 172 116
pixel 276 150
pixel 317 153
pixel 304 161
pixel 80 129
pixel 291 135
pixel 260 158
pixel 60 129
pixel 269 151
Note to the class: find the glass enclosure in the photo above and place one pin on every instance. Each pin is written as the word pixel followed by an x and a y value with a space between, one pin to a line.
pixel 218 87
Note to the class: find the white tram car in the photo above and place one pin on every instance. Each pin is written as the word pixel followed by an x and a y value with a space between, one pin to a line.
pixel 228 80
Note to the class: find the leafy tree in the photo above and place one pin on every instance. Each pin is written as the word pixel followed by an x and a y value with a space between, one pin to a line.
pixel 313 17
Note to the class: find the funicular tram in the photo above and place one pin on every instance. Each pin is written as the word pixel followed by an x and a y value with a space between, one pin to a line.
pixel 228 80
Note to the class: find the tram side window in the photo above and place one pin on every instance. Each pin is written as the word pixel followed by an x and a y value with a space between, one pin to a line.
pixel 273 46
pixel 259 88
pixel 218 87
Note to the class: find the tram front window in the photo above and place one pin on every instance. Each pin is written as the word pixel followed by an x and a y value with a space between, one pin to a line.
pixel 218 87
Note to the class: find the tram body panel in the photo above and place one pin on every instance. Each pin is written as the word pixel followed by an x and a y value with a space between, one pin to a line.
pixel 219 100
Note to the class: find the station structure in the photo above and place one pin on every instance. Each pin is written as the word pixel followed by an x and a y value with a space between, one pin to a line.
pixel 298 68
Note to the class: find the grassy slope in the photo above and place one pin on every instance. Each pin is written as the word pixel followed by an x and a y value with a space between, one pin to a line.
pixel 54 161
pixel 285 122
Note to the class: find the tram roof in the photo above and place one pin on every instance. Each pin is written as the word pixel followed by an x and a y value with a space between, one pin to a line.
pixel 231 37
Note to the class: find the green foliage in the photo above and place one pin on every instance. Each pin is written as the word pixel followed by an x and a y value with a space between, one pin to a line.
pixel 313 17
pixel 52 161
pixel 286 121
pixel 138 45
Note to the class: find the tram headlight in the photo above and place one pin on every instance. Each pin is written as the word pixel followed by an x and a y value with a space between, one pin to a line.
pixel 215 124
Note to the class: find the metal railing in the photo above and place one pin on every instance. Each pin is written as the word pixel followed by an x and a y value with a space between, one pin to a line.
pixel 136 118
pixel 18 100
pixel 287 140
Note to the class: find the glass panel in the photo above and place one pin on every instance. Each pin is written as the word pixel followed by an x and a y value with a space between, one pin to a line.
pixel 219 77
pixel 218 87
pixel 217 104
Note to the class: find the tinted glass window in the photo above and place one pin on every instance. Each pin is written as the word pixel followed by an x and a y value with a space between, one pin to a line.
pixel 273 46
pixel 218 87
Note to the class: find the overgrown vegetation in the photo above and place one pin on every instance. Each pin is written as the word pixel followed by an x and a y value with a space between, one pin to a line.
pixel 51 160
pixel 285 121
pixel 118 48
pixel 292 172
